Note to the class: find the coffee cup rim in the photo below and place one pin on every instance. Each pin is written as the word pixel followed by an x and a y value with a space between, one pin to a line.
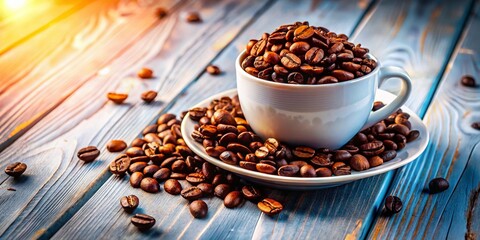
pixel 243 54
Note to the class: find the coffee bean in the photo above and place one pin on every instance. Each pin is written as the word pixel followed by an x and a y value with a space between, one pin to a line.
pixel 299 48
pixel 342 75
pixel 476 125
pixel 303 152
pixel 322 160
pixel 468 81
pixel 340 168
pixel 222 116
pixel 399 128
pixel 149 96
pixel 258 49
pixel 233 199
pixel 129 203
pixel 221 190
pixel 162 174
pixel 291 61
pixel 215 151
pixel 327 80
pixel 218 179
pixel 152 137
pixel 16 169
pixel 193 17
pixel 270 206
pixel 390 145
pixel 307 171
pixel 359 162
pixel 393 204
pixel 295 77
pixel 342 156
pixel 117 98
pixel 323 172
pixel 207 188
pixel 178 166
pixel 213 70
pixel 172 186
pixel 143 221
pixel 248 165
pixel 178 176
pixel 165 118
pixel 137 167
pixel 375 161
pixel 120 165
pixel 227 139
pixel 251 193
pixel 150 185
pixel 437 185
pixel 388 155
pixel 271 57
pixel 198 209
pixel 138 142
pixel 161 12
pixel 145 73
pixel 288 170
pixel 314 55
pixel 88 154
pixel 135 152
pixel 196 178
pixel 377 105
pixel 414 135
pixel 116 145
pixel 303 32
pixel 150 170
pixel 191 193
pixel 265 168
pixel 135 179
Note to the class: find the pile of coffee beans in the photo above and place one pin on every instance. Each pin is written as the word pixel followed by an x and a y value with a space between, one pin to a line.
pixel 226 135
pixel 302 54
pixel 161 156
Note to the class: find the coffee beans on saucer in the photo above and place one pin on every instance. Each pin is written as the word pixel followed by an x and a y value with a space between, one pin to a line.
pixel 302 54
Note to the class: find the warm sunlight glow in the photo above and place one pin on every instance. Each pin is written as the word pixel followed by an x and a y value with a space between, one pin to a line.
pixel 14 4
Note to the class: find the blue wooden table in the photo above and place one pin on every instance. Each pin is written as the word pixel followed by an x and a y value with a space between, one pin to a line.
pixel 59 59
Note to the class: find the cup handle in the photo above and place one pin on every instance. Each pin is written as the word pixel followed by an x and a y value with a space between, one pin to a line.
pixel 385 74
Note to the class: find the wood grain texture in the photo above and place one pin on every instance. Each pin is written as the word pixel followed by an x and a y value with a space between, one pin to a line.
pixel 177 61
pixel 453 153
pixel 35 80
pixel 221 223
pixel 18 24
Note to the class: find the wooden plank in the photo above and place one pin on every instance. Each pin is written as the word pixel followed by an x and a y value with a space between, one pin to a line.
pixel 347 212
pixel 101 211
pixel 453 153
pixel 35 79
pixel 22 19
pixel 177 60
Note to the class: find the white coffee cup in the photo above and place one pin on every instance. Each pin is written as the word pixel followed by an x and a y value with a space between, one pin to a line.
pixel 324 115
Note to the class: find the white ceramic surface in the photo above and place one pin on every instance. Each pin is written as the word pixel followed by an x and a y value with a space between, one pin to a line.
pixel 312 115
pixel 406 155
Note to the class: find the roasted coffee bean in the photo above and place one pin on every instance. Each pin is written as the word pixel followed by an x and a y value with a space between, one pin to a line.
pixel 145 73
pixel 165 118
pixel 299 48
pixel 221 190
pixel 229 157
pixel 377 105
pixel 143 221
pixel 271 57
pixel 172 186
pixel 342 75
pixel 178 176
pixel 233 199
pixel 137 167
pixel 193 17
pixel 191 193
pixel 196 178
pixel 138 142
pixel 213 70
pixel 277 38
pixel 258 49
pixel 149 96
pixel 393 204
pixel 437 185
pixel 399 128
pixel 251 193
pixel 120 165
pixel 303 32
pixel 414 134
pixel 248 165
pixel 116 145
pixel 215 151
pixel 150 170
pixel 196 113
pixel 340 168
pixel 135 152
pixel 314 56
pixel 388 155
pixel 198 209
pixel 129 203
pixel 288 170
pixel 295 77
pixel 350 66
pixel 271 144
pixel 218 179
pixel 227 139
pixel 238 148
pixel 261 152
pixel 152 137
pixel 117 98
pixel 390 145
pixel 375 161
pixel 342 156
pixel 359 162
pixel 371 146
pixel 16 169
pixel 335 48
pixel 303 152
pixel 206 188
pixel 307 171
pixel 291 61
pixel 322 160
pixel 149 185
pixel 88 154
pixel 476 125
pixel 468 81
pixel 323 172
pixel 265 168
pixel 135 179
pixel 266 73
pixel 162 174
pixel 270 206
pixel 222 116
pixel 327 80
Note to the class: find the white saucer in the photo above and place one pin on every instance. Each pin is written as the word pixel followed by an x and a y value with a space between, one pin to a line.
pixel 404 156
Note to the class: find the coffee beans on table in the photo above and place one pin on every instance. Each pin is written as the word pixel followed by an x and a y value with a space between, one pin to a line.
pixel 129 203
pixel 198 209
pixel 302 54
pixel 145 73
pixel 468 81
pixel 16 169
pixel 437 185
pixel 233 199
pixel 117 98
pixel 149 96
pixel 116 145
pixel 270 206
pixel 213 70
pixel 88 154
pixel 143 221
pixel 393 204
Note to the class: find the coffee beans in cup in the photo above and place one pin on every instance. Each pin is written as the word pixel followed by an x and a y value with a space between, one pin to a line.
pixel 302 54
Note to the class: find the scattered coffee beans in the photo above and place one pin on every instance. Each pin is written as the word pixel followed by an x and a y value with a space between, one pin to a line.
pixel 302 54
pixel 393 204
pixel 16 169
pixel 437 185
pixel 270 206
pixel 117 98
pixel 198 209
pixel 143 221
pixel 129 203
pixel 213 70
pixel 145 73
pixel 116 145
pixel 193 17
pixel 88 154
pixel 226 135
pixel 161 12
pixel 468 81
pixel 149 96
